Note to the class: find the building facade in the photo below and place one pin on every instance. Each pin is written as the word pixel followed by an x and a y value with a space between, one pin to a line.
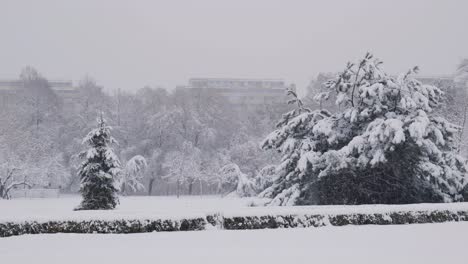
pixel 248 92
pixel 63 89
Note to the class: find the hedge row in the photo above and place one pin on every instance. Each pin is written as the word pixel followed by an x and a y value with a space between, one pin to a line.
pixel 230 223
pixel 292 221
pixel 100 226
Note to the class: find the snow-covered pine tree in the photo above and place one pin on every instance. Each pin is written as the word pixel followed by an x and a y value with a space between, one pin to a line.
pixel 385 146
pixel 99 170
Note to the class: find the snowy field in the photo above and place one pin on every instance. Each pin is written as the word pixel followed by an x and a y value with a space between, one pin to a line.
pixel 412 244
pixel 158 207
pixel 421 243
pixel 130 207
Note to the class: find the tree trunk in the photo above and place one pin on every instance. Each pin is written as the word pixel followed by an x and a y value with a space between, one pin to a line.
pixel 150 186
pixel 122 189
pixel 178 189
pixel 2 190
pixel 201 188
pixel 190 187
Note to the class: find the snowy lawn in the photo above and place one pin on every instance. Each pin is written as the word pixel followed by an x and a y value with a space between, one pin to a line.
pixel 134 207
pixel 425 243
pixel 157 207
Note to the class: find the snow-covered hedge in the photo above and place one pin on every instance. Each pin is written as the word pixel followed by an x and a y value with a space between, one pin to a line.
pixel 100 226
pixel 277 220
pixel 318 220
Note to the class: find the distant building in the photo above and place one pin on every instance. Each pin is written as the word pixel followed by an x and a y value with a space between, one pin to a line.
pixel 249 92
pixel 64 89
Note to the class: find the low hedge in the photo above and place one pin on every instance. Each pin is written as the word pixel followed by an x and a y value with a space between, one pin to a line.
pixel 318 220
pixel 273 221
pixel 229 223
pixel 100 226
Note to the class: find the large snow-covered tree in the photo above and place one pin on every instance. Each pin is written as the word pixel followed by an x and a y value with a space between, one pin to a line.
pixel 99 169
pixel 385 146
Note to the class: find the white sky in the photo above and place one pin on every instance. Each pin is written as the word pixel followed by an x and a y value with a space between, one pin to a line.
pixel 129 44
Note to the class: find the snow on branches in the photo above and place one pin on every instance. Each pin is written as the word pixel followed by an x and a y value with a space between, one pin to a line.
pixel 184 166
pixel 131 176
pixel 236 183
pixel 10 178
pixel 384 146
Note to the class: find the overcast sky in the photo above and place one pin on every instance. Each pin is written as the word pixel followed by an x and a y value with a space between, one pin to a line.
pixel 129 44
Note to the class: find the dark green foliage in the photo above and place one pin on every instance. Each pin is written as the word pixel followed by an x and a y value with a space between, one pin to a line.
pixel 100 226
pixel 386 183
pixel 230 223
pixel 318 220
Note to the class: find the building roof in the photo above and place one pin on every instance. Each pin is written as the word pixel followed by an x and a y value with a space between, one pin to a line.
pixel 235 79
pixel 57 85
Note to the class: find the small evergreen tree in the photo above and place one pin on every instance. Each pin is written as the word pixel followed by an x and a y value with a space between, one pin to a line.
pixel 385 146
pixel 99 170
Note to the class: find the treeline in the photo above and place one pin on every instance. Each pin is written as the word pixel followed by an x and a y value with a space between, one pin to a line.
pixel 185 136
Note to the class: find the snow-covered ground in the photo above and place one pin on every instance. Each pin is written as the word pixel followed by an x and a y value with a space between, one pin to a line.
pixel 185 207
pixel 132 207
pixel 425 243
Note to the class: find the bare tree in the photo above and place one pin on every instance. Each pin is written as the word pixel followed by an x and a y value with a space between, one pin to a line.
pixel 8 182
